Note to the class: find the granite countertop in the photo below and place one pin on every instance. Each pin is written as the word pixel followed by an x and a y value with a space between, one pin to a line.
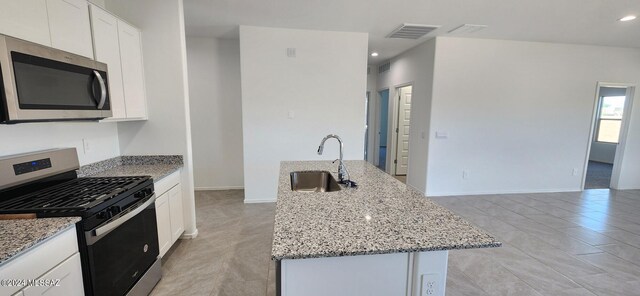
pixel 156 166
pixel 382 215
pixel 17 236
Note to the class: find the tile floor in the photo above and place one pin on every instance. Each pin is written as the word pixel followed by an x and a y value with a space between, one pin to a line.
pixel 554 244
pixel 230 255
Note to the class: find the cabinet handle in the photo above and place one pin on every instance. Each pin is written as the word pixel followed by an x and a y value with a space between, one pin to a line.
pixel 103 89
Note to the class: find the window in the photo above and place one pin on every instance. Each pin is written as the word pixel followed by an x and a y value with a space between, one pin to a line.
pixel 609 119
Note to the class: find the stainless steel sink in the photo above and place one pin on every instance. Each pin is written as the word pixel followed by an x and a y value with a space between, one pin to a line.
pixel 313 181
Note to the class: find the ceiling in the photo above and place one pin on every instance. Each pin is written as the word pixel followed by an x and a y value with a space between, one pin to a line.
pixel 562 21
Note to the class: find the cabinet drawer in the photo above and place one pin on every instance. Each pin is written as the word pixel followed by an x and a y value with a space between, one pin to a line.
pixel 163 185
pixel 40 259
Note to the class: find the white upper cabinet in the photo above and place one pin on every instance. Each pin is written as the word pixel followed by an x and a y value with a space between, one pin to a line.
pixel 132 71
pixel 25 19
pixel 107 50
pixel 117 44
pixel 69 26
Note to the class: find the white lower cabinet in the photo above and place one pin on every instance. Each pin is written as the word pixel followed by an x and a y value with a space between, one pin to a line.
pixel 69 274
pixel 176 212
pixel 398 274
pixel 56 259
pixel 164 223
pixel 169 211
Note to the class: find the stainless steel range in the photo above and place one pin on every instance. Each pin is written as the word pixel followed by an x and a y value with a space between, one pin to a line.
pixel 117 235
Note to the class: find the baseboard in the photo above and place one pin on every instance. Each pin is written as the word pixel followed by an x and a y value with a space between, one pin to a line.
pixel 218 188
pixel 503 192
pixel 248 201
pixel 192 235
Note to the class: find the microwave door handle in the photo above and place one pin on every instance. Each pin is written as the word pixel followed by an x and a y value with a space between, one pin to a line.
pixel 95 235
pixel 103 89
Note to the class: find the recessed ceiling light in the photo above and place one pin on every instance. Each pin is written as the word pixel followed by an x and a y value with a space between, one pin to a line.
pixel 374 54
pixel 628 18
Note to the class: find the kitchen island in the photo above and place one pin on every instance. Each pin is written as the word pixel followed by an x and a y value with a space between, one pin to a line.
pixel 381 238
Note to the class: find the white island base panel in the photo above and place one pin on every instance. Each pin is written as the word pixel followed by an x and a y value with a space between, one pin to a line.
pixel 411 274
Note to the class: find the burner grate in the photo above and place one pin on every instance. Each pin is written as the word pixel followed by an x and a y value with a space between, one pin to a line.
pixel 77 194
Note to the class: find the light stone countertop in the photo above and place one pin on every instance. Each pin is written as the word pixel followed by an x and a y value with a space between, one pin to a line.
pixel 18 236
pixel 156 166
pixel 382 215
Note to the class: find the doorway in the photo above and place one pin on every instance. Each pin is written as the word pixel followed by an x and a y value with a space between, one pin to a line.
pixel 383 126
pixel 402 126
pixel 612 107
pixel 366 127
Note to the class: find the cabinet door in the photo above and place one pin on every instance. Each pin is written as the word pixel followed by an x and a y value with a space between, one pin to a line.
pixel 177 216
pixel 25 19
pixel 107 50
pixel 69 273
pixel 163 220
pixel 70 27
pixel 132 71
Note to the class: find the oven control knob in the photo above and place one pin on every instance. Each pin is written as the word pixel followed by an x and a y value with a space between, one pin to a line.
pixel 106 214
pixel 115 210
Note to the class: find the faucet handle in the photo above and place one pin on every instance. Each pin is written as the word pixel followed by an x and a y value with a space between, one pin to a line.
pixel 335 160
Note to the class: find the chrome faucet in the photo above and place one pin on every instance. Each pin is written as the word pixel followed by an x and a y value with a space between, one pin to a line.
pixel 343 174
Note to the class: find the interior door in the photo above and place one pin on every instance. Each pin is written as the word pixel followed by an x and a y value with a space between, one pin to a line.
pixel 402 147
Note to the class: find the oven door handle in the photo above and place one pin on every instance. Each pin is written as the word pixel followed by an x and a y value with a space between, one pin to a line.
pixel 96 234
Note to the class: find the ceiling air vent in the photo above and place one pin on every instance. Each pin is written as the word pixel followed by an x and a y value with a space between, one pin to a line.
pixel 384 67
pixel 411 31
pixel 467 29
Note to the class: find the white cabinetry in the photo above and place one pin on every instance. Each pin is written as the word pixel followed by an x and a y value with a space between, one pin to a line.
pixel 68 272
pixel 117 44
pixel 69 26
pixel 402 274
pixel 62 24
pixel 132 72
pixel 169 211
pixel 55 258
pixel 107 50
pixel 25 19
pixel 176 212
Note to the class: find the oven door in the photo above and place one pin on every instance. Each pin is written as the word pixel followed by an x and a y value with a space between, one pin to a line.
pixel 122 250
pixel 47 84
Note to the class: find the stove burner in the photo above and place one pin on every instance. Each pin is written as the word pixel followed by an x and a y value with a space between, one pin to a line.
pixel 74 195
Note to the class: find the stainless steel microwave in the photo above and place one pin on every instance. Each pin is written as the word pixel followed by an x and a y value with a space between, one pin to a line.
pixel 39 83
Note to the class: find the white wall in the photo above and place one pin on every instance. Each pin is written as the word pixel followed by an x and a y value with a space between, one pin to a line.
pixel 168 129
pixel 630 154
pixel 518 114
pixel 216 112
pixel 26 137
pixel 605 152
pixel 324 88
pixel 415 67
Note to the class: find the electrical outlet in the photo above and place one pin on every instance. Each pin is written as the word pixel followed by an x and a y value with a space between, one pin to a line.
pixel 430 285
pixel 575 172
pixel 465 174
